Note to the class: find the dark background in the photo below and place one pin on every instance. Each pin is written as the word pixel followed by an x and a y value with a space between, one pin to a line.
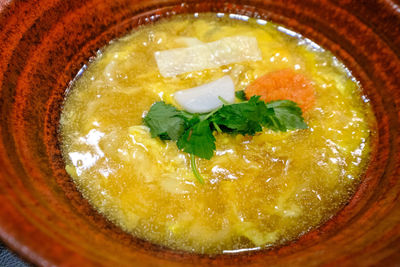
pixel 9 259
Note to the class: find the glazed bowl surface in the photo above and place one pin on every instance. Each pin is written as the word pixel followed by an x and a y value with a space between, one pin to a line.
pixel 45 43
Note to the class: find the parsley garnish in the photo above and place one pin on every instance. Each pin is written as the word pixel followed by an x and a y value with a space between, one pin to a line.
pixel 198 140
pixel 241 95
pixel 194 132
pixel 244 118
pixel 165 121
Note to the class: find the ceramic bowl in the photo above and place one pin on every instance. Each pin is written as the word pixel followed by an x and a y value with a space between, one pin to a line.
pixel 44 44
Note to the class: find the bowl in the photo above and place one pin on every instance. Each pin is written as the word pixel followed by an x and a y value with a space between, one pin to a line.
pixel 46 42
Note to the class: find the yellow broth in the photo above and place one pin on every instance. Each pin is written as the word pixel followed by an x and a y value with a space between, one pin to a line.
pixel 261 190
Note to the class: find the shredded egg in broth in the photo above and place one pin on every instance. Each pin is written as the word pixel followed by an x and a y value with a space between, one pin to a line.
pixel 260 191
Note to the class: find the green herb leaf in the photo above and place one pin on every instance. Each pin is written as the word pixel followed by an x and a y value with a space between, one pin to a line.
pixel 241 95
pixel 165 121
pixel 244 117
pixel 191 119
pixel 194 132
pixel 198 140
pixel 284 115
pixel 195 170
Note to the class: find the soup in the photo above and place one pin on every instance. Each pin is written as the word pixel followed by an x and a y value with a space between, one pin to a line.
pixel 256 190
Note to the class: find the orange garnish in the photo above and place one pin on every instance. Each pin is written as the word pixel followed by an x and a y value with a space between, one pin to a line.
pixel 284 84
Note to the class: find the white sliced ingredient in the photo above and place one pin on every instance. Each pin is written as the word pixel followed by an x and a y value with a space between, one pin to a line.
pixel 188 41
pixel 204 98
pixel 207 55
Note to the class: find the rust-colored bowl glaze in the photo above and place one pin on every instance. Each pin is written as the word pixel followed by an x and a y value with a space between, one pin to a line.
pixel 45 42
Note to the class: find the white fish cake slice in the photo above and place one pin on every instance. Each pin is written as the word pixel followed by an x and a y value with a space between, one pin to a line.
pixel 205 98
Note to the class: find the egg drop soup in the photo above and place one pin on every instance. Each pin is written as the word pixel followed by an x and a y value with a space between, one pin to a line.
pixel 259 190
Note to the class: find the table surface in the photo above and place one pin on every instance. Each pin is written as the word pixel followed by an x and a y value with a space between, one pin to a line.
pixel 9 259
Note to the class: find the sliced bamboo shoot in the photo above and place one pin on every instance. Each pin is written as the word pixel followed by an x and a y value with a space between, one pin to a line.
pixel 208 55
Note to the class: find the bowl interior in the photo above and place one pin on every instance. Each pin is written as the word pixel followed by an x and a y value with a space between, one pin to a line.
pixel 45 219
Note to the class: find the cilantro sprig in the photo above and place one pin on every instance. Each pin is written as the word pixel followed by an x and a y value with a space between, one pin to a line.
pixel 193 133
